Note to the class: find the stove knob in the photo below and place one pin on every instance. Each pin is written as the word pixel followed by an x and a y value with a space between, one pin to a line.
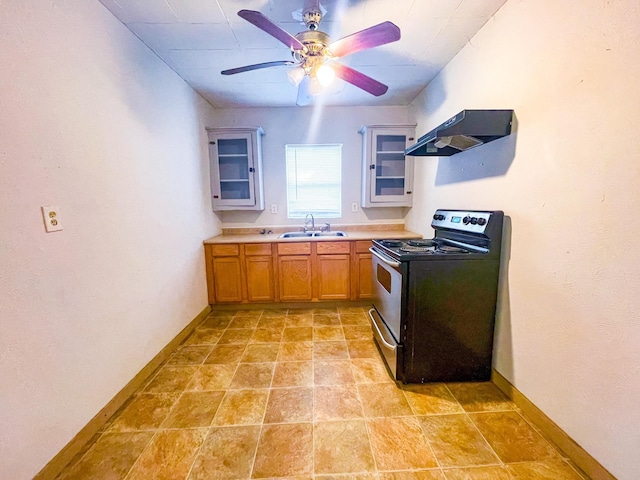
pixel 482 221
pixel 436 217
pixel 474 220
pixel 466 219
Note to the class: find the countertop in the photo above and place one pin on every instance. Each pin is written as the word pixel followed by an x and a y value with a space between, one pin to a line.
pixel 358 233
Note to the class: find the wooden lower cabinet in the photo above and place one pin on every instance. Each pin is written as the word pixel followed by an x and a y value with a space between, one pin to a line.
pixel 259 271
pixel 289 271
pixel 294 271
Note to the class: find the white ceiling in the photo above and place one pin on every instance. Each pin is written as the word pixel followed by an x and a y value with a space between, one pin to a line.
pixel 199 38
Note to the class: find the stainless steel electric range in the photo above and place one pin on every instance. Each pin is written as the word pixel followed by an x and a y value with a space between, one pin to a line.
pixel 434 303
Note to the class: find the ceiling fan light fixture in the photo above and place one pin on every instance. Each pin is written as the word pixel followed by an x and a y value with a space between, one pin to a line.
pixel 325 75
pixel 295 75
pixel 315 88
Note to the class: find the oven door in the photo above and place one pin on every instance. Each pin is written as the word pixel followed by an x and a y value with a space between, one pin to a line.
pixel 387 291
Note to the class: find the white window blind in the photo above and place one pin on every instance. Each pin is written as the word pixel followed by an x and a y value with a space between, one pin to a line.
pixel 314 180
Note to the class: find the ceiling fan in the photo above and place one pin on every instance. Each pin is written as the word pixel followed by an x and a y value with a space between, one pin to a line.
pixel 314 53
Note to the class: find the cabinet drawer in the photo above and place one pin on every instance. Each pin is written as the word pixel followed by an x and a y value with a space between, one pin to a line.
pixel 362 246
pixel 332 247
pixel 297 248
pixel 225 250
pixel 257 249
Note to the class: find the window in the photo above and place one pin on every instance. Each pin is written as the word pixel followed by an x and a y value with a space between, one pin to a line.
pixel 314 180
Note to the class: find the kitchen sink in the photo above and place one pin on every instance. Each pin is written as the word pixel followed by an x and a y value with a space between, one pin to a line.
pixel 337 233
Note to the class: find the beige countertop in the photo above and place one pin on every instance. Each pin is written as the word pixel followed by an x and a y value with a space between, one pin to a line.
pixel 353 233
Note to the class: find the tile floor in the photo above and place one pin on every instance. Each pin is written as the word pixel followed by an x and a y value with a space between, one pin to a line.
pixel 303 394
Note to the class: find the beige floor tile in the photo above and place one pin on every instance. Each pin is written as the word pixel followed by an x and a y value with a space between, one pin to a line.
pixel 284 451
pixel 348 476
pixel 239 336
pixel 169 455
pixel 354 319
pixel 272 321
pixel 479 473
pixel 326 319
pixel 332 372
pixel 299 320
pixel 399 444
pixel 512 438
pixel 370 370
pixel 342 447
pixel 330 350
pixel 260 353
pixel 293 374
pixel 266 335
pixel 205 336
pixel 413 475
pixel 431 399
pixel 383 400
pixel 171 379
pixel 295 351
pixel 244 322
pixel 297 334
pixel 194 409
pixel 242 407
pixel 274 312
pixel 353 310
pixel 290 405
pixel 112 456
pixel 249 313
pixel 337 402
pixel 190 355
pixel 146 411
pixel 480 397
pixel 324 334
pixel 223 354
pixel 362 349
pixel 456 442
pixel 253 375
pixel 358 332
pixel 544 470
pixel 212 377
pixel 216 322
pixel 227 453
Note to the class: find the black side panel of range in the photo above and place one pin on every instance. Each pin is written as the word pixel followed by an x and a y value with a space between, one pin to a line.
pixel 450 320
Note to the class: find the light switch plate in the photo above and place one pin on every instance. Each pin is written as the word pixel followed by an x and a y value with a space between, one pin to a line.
pixel 51 217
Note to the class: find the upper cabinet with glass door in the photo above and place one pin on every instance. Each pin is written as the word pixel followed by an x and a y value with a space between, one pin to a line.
pixel 387 174
pixel 235 156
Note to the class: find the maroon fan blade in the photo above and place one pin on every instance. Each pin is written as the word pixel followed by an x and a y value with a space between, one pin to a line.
pixel 263 23
pixel 360 80
pixel 257 66
pixel 304 94
pixel 375 36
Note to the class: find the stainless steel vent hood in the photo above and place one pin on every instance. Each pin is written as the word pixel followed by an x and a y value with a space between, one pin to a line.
pixel 466 130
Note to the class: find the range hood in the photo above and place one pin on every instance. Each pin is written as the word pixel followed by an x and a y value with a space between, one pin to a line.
pixel 466 130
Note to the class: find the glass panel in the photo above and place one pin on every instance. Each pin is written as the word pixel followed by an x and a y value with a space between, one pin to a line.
pixel 234 168
pixel 234 190
pixel 232 146
pixel 390 186
pixel 391 143
pixel 390 165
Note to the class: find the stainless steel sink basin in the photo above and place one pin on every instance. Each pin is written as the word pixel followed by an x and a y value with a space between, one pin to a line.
pixel 337 233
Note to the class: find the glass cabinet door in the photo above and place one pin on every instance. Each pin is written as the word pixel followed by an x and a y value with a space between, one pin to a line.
pixel 389 161
pixel 235 168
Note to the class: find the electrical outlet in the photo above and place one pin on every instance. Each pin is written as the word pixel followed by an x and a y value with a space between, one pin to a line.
pixel 274 208
pixel 354 207
pixel 51 216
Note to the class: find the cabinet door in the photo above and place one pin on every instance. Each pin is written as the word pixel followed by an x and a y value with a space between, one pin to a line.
pixel 236 177
pixel 365 274
pixel 259 278
pixel 294 277
pixel 227 279
pixel 333 277
pixel 388 180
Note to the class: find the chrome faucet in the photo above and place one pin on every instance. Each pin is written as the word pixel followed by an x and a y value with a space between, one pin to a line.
pixel 306 222
pixel 325 228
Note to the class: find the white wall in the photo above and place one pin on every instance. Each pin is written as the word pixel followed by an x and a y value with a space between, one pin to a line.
pixel 312 125
pixel 568 331
pixel 93 122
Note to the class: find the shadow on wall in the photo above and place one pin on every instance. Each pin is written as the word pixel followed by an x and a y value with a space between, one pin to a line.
pixel 503 339
pixel 484 161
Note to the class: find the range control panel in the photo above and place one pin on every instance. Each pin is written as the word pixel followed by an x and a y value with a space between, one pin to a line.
pixel 465 221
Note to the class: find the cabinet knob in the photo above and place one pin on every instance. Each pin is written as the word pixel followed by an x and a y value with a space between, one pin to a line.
pixel 251 169
pixel 212 143
pixel 372 167
pixel 409 192
pixel 216 196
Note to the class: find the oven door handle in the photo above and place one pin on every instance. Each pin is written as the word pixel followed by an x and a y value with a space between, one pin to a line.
pixel 384 258
pixel 380 336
